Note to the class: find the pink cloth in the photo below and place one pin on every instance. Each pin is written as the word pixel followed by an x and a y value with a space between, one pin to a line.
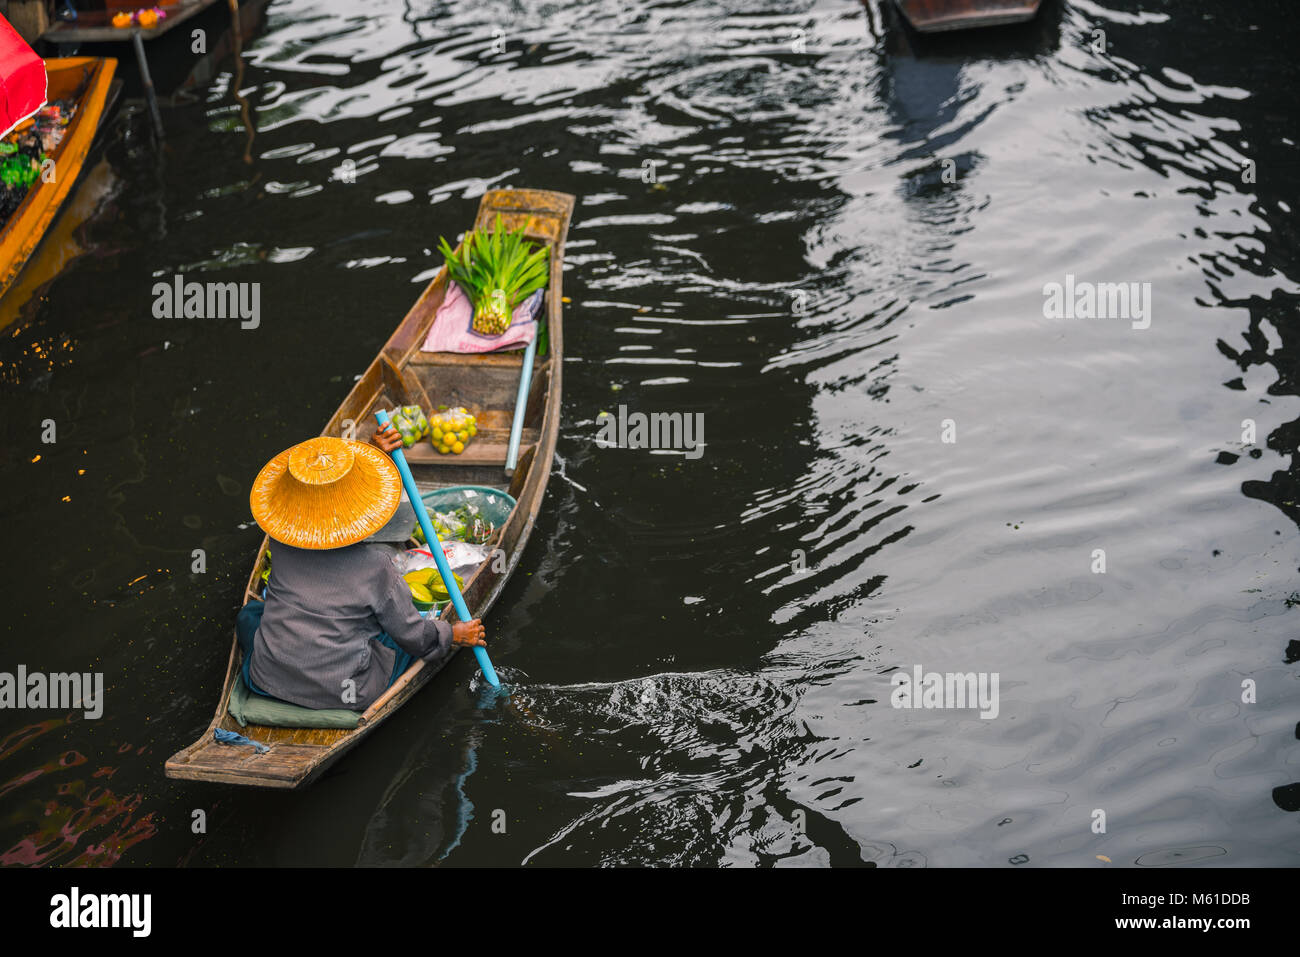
pixel 453 329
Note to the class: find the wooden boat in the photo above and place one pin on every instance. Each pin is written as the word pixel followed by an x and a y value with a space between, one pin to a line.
pixel 403 374
pixel 168 64
pixel 87 80
pixel 933 16
pixel 64 241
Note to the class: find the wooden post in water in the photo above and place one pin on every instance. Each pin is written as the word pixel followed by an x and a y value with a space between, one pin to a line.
pixel 149 93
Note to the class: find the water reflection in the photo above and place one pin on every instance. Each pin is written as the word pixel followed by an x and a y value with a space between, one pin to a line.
pixel 79 820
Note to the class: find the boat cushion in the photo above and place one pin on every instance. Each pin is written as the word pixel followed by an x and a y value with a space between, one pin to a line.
pixel 248 708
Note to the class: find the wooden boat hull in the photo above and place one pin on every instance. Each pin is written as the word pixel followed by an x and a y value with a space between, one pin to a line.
pixel 27 226
pixel 935 16
pixel 402 374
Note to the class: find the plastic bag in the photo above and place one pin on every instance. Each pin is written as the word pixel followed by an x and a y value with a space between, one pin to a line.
pixel 448 526
pixel 452 430
pixel 411 424
pixel 466 524
pixel 474 527
pixel 461 556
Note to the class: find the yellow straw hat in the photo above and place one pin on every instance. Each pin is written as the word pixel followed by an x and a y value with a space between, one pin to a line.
pixel 326 493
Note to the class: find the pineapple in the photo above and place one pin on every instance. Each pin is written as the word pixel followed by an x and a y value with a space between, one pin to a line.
pixel 498 271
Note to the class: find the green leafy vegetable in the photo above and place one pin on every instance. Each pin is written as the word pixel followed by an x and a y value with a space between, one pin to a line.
pixel 498 271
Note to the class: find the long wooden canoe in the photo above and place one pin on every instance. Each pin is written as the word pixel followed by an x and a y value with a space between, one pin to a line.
pixel 933 16
pixel 87 80
pixel 402 374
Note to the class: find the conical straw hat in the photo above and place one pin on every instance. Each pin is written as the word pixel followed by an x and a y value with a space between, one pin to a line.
pixel 326 493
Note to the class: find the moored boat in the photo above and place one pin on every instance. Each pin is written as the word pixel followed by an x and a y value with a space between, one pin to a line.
pixel 934 16
pixel 403 374
pixel 87 81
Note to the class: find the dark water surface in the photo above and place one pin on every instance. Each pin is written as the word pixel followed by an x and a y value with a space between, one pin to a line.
pixel 803 274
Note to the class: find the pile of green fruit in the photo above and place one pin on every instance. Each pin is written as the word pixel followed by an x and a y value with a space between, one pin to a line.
pixel 427 588
pixel 411 424
pixel 442 527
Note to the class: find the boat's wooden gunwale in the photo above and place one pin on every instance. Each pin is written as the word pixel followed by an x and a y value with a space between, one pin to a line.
pixel 95 26
pixel 390 370
pixel 22 233
pixel 942 16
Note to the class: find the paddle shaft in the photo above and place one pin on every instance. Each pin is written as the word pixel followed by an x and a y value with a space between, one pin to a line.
pixel 435 546
pixel 521 403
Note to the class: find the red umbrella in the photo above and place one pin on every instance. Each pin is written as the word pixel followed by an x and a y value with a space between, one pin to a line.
pixel 22 79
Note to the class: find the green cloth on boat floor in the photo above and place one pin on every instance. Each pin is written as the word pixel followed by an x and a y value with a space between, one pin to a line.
pixel 248 708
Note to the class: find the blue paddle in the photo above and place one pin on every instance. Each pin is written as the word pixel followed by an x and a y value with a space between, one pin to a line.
pixel 521 401
pixel 435 546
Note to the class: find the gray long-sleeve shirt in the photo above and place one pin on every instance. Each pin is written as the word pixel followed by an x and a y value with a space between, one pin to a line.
pixel 324 610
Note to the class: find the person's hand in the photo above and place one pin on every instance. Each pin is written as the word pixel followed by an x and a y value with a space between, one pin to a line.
pixel 386 438
pixel 467 634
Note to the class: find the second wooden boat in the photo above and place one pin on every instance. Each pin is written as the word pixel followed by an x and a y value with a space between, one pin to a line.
pixel 402 374
pixel 86 80
pixel 934 16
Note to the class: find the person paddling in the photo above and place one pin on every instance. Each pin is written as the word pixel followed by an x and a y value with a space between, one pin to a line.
pixel 337 626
